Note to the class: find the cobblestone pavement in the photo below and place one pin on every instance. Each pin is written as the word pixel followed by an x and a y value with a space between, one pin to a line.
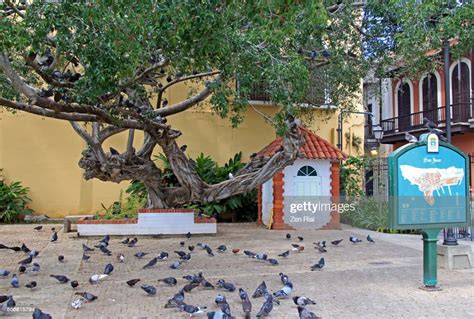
pixel 360 281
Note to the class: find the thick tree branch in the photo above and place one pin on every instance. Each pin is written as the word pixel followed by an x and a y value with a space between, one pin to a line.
pixel 46 77
pixel 18 84
pixel 14 8
pixel 110 131
pixel 82 132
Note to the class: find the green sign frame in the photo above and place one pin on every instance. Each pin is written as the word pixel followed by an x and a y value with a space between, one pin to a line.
pixel 394 180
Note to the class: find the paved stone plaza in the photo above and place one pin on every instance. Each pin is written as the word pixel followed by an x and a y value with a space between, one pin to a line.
pixel 360 281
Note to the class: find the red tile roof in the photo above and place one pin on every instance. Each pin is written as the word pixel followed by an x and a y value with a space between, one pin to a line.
pixel 314 147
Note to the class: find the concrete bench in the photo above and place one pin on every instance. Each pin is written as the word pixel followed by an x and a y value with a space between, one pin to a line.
pixel 69 219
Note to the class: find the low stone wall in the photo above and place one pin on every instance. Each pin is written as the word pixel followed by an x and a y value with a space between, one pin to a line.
pixel 150 222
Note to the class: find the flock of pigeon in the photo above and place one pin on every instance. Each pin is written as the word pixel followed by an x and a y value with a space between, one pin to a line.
pixel 28 265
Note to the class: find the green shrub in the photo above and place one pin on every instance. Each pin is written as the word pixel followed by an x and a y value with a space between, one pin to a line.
pixel 123 208
pixel 370 213
pixel 13 200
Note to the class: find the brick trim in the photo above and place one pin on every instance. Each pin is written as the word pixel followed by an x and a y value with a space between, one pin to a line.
pixel 334 222
pixel 108 221
pixel 165 210
pixel 278 202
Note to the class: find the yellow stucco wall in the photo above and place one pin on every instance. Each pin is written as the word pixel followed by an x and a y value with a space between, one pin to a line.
pixel 43 153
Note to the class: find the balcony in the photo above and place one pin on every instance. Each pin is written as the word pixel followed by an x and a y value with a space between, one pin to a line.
pixel 316 96
pixel 462 119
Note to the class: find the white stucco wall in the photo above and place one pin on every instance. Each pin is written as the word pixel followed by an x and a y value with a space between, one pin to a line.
pixel 267 201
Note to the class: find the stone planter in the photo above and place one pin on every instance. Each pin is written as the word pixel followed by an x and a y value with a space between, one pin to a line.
pixel 150 222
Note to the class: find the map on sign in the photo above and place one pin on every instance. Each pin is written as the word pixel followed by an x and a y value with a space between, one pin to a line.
pixel 433 180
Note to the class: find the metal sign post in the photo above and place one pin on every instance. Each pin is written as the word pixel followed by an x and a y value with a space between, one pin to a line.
pixel 429 190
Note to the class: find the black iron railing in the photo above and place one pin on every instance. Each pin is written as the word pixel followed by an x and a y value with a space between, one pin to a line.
pixel 316 94
pixel 460 113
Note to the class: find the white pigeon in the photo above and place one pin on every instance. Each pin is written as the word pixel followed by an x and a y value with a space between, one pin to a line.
pixel 94 279
pixel 231 176
pixel 76 304
pixel 121 258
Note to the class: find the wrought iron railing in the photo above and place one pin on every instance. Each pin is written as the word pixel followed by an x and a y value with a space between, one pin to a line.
pixel 460 113
pixel 315 95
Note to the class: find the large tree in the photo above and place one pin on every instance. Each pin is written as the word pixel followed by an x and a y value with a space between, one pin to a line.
pixel 100 64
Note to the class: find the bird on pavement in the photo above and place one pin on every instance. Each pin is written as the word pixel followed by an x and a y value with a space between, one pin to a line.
pixel 221 248
pixel 284 292
pixel 304 313
pixel 151 263
pixel 86 248
pixel 108 269
pixel 140 254
pixel 354 240
pixel 288 236
pixel 261 290
pixel 31 285
pixel 38 314
pixel 105 250
pixel 337 242
pixel 319 265
pixel 74 284
pixel 284 254
pixel 273 261
pixel 95 279
pixel 192 310
pixel 246 304
pixel 85 257
pixel 76 303
pixel 170 281
pixel 225 285
pixel 297 247
pixel 176 300
pixel 370 239
pixel 24 249
pixel 163 255
pixel 284 278
pixel 87 296
pixel 54 237
pixel 62 279
pixel 61 258
pixel 149 289
pixel 4 273
pixel 267 306
pixel 38 228
pixel 303 301
pixel 120 258
pixel 26 261
pixel 132 282
pixel 175 265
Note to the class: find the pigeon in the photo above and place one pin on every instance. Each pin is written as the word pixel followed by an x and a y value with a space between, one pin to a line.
pixel 125 241
pixel 86 249
pixel 188 235
pixel 25 249
pixel 220 299
pixel 170 281
pixel 191 247
pixel 182 243
pixel 10 303
pixel 273 261
pixel 285 291
pixel 429 124
pixel 354 240
pixel 410 138
pixel 246 304
pixel 85 257
pixel 31 285
pixel 221 248
pixel 15 248
pixel 38 314
pixel 261 256
pixel 249 253
pixel 149 289
pixel 87 296
pixel 321 249
pixel 62 279
pixel 108 269
pixel 321 243
pixel 74 284
pixel 95 279
pixel 163 255
pixel 105 240
pixel 202 245
pixel 194 278
pixel 319 265
pixel 191 286
pixel 33 253
pixel 217 315
pixel 151 263
pixel 267 306
pixel 306 314
pixel 26 261
pixel 225 308
pixel 132 242
pixel 175 265
pixel 235 251
pixel 14 281
pixel 370 239
pixel 206 284
pixel 186 257
pixel 132 282
pixel 61 258
pixel 3 298
pixel 288 236
pixel 336 242
pixel 303 301
pixel 180 253
pixel 297 247
pixel 176 300
pixel 35 268
pixel 54 237
pixel 76 304
pixel 261 290
pixel 22 269
pixel 38 228
pixel 4 273
pixel 284 254
pixel 300 238
pixel 225 285
pixel 231 176
pixel 192 310
pixel 284 278
pixel 209 251
pixel 105 250
pixel 140 254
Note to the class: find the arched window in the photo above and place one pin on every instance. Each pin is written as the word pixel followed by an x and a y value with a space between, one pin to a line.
pixel 404 106
pixel 307 171
pixel 430 97
pixel 460 86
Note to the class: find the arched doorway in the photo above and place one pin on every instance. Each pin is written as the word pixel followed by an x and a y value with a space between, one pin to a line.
pixel 430 97
pixel 461 87
pixel 404 106
pixel 307 182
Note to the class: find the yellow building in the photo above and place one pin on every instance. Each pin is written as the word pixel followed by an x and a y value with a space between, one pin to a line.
pixel 43 153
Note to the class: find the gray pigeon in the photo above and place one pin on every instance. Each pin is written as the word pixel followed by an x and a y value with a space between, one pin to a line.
pixel 226 285
pixel 108 269
pixel 175 265
pixel 140 254
pixel 105 250
pixel 170 281
pixel 306 314
pixel 284 292
pixel 246 304
pixel 35 268
pixel 4 273
pixel 14 281
pixel 10 303
pixel 319 265
pixel 261 290
pixel 284 254
pixel 217 315
pixel 267 306
pixel 410 138
pixel 176 300
pixel 86 248
pixel 284 278
pixel 38 314
pixel 87 296
pixel 370 239
pixel 163 255
pixel 151 263
pixel 149 289
pixel 192 310
pixel 303 301
pixel 54 237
